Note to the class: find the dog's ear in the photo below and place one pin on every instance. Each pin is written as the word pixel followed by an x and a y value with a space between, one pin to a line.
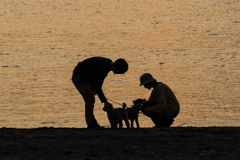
pixel 124 105
pixel 105 109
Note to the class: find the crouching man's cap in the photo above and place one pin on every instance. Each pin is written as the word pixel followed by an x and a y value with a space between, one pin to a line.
pixel 146 78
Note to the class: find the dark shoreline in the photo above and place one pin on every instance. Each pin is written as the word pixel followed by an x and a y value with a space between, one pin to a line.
pixel 143 143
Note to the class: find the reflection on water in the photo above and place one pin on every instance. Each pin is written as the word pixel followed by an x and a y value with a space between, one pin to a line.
pixel 191 45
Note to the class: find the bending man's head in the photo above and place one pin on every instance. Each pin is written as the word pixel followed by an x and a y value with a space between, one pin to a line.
pixel 120 66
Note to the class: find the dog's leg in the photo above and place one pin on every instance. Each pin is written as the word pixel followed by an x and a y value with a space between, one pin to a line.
pixel 112 121
pixel 136 120
pixel 132 121
pixel 126 121
pixel 120 124
pixel 114 124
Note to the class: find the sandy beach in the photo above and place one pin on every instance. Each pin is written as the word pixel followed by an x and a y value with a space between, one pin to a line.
pixel 183 143
pixel 191 45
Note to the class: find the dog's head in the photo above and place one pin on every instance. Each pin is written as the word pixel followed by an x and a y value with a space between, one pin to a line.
pixel 124 105
pixel 138 102
pixel 108 108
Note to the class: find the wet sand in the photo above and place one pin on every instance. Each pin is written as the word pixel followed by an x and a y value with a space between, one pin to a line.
pixel 191 143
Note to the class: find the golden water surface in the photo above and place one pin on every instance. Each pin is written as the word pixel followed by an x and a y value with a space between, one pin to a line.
pixel 191 45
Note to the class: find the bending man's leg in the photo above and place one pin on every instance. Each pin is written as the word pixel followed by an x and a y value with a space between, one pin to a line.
pixel 85 90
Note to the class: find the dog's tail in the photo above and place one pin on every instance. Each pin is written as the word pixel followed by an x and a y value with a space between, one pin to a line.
pixel 124 105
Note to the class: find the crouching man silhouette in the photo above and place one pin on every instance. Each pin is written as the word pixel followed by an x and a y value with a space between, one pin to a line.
pixel 162 106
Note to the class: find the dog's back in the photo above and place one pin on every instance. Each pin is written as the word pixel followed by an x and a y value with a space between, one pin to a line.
pixel 116 115
pixel 119 114
pixel 133 112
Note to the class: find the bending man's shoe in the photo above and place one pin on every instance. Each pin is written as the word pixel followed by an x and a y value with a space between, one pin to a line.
pixel 94 125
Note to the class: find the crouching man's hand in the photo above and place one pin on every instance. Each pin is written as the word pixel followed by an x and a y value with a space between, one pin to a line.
pixel 144 109
pixel 107 106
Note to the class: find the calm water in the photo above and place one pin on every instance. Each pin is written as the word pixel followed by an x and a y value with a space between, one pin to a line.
pixel 191 45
